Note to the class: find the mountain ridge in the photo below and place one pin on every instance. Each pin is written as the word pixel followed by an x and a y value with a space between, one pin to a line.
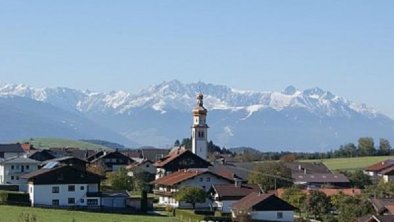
pixel 237 117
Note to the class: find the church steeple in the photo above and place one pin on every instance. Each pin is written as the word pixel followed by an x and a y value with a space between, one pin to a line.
pixel 200 128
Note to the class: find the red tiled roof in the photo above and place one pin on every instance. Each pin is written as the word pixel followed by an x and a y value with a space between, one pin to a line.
pixel 380 165
pixel 328 191
pixel 170 157
pixel 226 191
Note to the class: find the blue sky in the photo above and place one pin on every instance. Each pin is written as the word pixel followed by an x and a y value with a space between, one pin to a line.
pixel 346 47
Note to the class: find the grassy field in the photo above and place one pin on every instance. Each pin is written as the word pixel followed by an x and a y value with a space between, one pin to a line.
pixel 350 163
pixel 12 213
pixel 58 142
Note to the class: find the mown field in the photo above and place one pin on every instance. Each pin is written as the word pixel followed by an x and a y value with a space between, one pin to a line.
pixel 350 163
pixel 59 142
pixel 13 213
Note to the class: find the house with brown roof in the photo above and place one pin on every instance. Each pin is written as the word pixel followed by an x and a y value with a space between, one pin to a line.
pixel 225 195
pixel 177 159
pixel 111 161
pixel 262 207
pixel 376 218
pixel 63 186
pixel 317 180
pixel 383 206
pixel 375 169
pixel 167 186
pixel 16 149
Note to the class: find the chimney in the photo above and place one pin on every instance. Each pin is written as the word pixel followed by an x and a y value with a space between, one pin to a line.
pixel 299 167
pixel 304 170
pixel 237 181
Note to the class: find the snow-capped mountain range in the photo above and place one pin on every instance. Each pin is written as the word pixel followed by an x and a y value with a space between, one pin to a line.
pixel 289 120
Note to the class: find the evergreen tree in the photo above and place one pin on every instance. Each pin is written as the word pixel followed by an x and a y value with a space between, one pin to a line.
pixel 366 146
pixel 384 147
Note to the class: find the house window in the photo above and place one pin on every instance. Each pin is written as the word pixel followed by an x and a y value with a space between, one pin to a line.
pixel 92 202
pixel 55 189
pixel 55 202
pixel 71 200
pixel 201 179
pixel 17 178
pixel 279 215
pixel 147 165
pixel 12 177
pixel 208 179
pixel 12 167
pixel 71 188
pixel 82 201
pixel 27 167
pixel 82 188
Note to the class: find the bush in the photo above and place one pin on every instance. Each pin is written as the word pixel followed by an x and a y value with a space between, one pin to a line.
pixel 14 198
pixel 204 212
pixel 188 215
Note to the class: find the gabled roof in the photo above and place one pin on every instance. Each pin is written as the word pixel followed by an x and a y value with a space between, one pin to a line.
pixel 376 218
pixel 183 175
pixel 320 178
pixel 115 154
pixel 262 202
pixel 387 171
pixel 61 175
pixel 301 167
pixel 11 148
pixel 19 159
pixel 62 159
pixel 174 155
pixel 380 165
pixel 383 205
pixel 232 192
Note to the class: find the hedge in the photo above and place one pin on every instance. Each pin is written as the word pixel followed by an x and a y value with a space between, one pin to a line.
pixel 14 198
pixel 190 216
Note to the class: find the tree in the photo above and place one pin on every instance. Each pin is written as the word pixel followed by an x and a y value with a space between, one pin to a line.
pixel 191 195
pixel 317 204
pixel 288 158
pixel 358 179
pixel 380 190
pixel 350 208
pixel 177 143
pixel 295 197
pixel 384 147
pixel 366 146
pixel 141 180
pixel 120 180
pixel 271 175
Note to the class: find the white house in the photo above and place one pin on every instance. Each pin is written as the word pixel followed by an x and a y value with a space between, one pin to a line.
pixel 169 185
pixel 263 207
pixel 225 195
pixel 64 186
pixel 13 168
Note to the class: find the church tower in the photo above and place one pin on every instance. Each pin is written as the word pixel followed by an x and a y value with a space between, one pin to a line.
pixel 200 129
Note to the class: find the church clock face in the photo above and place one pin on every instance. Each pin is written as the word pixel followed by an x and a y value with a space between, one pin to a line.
pixel 187 162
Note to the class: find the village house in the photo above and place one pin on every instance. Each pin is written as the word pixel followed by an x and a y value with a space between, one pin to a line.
pixel 167 186
pixel 179 158
pixel 63 186
pixel 225 195
pixel 376 218
pixel 374 170
pixel 66 160
pixel 318 180
pixel 144 166
pixel 262 207
pixel 13 168
pixel 110 161
pixel 12 150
